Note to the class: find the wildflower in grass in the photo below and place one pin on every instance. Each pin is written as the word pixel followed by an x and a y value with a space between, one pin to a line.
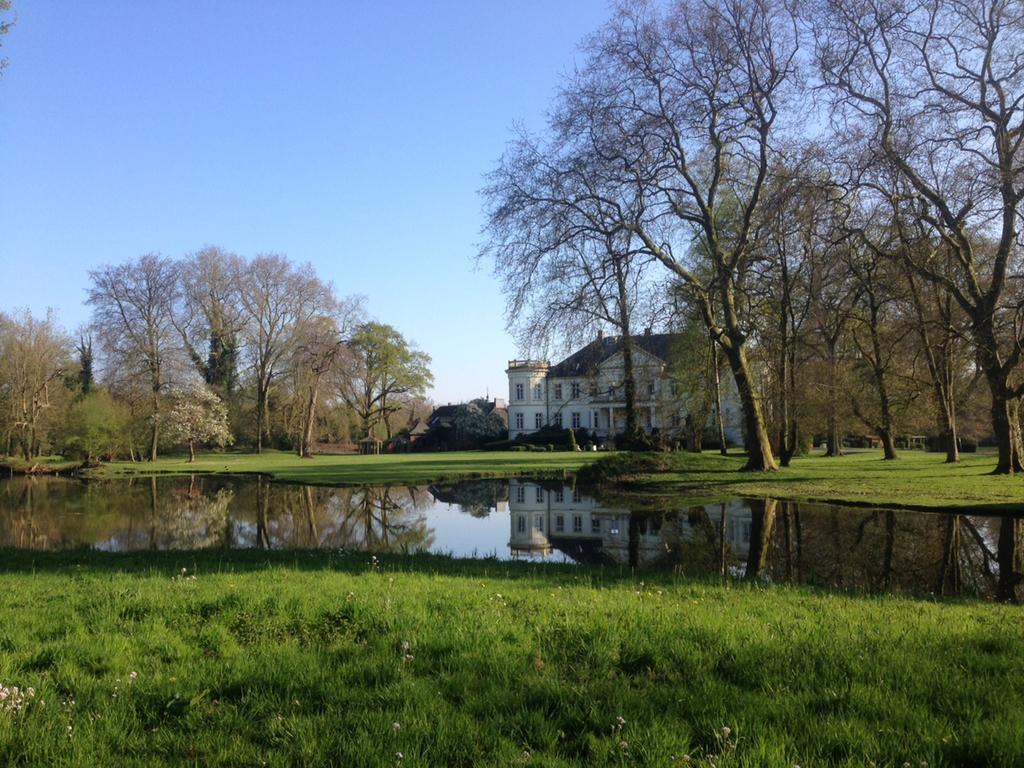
pixel 133 676
pixel 13 699
pixel 396 726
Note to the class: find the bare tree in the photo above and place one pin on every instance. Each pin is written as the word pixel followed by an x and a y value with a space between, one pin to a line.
pixel 935 90
pixel 671 126
pixel 321 350
pixel 5 26
pixel 566 263
pixel 133 316
pixel 34 357
pixel 211 315
pixel 277 300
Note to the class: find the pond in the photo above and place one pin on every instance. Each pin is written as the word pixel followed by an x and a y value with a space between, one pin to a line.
pixel 843 547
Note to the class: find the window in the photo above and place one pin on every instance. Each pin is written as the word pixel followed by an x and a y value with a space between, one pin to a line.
pixel 540 495
pixel 595 525
pixel 593 419
pixel 519 391
pixel 559 496
pixel 674 387
pixel 575 389
pixel 558 419
pixel 575 419
pixel 558 391
pixel 577 497
pixel 538 522
pixel 593 390
pixel 521 524
pixel 650 388
pixel 519 421
pixel 559 523
pixel 538 392
pixel 520 494
pixel 577 523
pixel 538 420
pixel 648 418
pixel 677 420
pixel 611 391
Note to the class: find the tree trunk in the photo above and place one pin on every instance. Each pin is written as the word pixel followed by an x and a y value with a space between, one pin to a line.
pixel 949 571
pixel 723 564
pixel 306 442
pixel 888 443
pixel 762 523
pixel 191 452
pixel 755 433
pixel 156 433
pixel 889 550
pixel 1006 435
pixel 1006 590
pixel 723 448
pixel 629 385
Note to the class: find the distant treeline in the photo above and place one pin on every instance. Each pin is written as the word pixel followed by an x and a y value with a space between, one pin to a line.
pixel 210 349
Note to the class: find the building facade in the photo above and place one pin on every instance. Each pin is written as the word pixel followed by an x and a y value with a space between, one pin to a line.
pixel 552 521
pixel 585 391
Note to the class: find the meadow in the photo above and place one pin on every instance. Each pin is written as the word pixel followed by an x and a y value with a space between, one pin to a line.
pixel 348 469
pixel 916 480
pixel 340 659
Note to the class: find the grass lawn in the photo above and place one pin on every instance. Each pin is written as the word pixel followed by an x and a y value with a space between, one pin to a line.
pixel 339 660
pixel 915 480
pixel 363 470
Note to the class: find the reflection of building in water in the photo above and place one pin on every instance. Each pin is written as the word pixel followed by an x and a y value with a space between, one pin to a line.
pixel 545 519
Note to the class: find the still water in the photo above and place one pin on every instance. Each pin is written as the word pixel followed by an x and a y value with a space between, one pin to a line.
pixel 846 548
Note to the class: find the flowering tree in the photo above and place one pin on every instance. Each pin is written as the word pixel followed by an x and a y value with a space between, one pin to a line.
pixel 198 416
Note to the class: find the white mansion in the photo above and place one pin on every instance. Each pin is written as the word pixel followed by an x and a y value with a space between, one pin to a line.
pixel 586 391
pixel 550 520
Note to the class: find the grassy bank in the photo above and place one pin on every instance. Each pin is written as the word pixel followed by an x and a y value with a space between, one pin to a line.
pixel 362 470
pixel 916 480
pixel 314 659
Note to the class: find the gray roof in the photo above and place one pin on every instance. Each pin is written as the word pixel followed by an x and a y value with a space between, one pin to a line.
pixel 596 352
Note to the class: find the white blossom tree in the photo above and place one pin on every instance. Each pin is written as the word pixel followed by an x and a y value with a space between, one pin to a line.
pixel 198 416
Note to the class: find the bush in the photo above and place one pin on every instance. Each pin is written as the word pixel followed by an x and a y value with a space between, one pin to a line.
pixel 624 465
pixel 95 427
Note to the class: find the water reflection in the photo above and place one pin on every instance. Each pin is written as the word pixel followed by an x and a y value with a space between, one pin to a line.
pixel 848 548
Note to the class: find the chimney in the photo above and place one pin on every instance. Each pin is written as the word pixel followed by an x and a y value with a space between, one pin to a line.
pixel 600 334
pixel 647 331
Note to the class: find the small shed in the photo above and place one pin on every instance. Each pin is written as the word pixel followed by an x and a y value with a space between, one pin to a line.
pixel 369 446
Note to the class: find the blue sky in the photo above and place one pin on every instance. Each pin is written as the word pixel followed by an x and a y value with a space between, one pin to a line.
pixel 353 135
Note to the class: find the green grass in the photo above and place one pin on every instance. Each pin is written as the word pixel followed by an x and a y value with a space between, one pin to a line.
pixel 40 464
pixel 298 659
pixel 363 470
pixel 916 480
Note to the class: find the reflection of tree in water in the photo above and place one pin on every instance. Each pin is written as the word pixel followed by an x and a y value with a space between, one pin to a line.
pixel 189 518
pixel 475 497
pixel 886 550
pixel 370 518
